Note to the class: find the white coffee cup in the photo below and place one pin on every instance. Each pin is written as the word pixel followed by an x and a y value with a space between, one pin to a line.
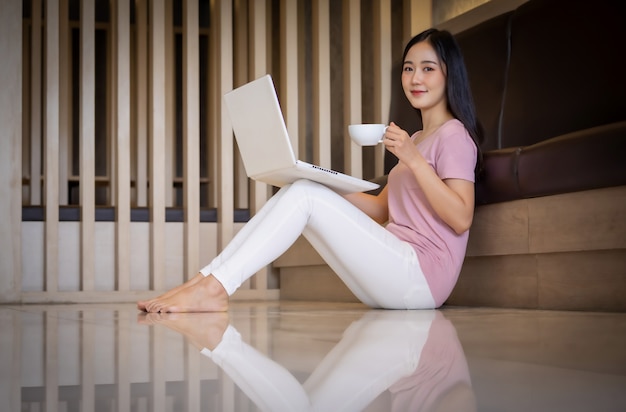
pixel 369 134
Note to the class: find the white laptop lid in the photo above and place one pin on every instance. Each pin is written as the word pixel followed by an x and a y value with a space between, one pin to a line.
pixel 259 127
pixel 264 143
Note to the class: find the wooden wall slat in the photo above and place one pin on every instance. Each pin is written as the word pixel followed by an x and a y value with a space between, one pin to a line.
pixel 170 105
pixel 352 83
pixel 382 72
pixel 65 105
pixel 87 143
pixel 122 184
pixel 289 69
pixel 141 79
pixel 52 146
pixel 321 84
pixel 191 138
pixel 11 151
pixel 35 104
pixel 157 143
pixel 260 192
pixel 221 22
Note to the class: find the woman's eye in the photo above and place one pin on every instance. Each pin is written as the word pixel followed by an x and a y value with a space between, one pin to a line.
pixel 407 69
pixel 428 69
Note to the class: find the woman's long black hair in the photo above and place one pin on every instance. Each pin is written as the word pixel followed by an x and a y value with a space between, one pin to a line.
pixel 458 93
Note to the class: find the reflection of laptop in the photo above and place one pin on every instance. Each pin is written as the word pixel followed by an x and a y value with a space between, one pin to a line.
pixel 264 142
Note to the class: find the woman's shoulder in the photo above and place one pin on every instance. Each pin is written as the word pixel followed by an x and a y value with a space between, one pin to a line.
pixel 454 130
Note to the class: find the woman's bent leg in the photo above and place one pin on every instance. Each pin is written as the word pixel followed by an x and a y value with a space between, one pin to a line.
pixel 380 269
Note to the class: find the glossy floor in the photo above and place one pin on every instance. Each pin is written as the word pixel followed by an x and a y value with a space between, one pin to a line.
pixel 285 356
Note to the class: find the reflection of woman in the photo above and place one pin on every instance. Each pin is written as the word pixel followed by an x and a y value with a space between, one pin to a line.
pixel 411 263
pixel 416 355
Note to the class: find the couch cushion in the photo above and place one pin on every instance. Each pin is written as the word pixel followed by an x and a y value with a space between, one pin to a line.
pixel 498 181
pixel 588 159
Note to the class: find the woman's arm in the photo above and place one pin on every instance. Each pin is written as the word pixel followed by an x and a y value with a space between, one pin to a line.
pixel 375 206
pixel 451 199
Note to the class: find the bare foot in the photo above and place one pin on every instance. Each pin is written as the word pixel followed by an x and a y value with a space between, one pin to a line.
pixel 142 304
pixel 203 330
pixel 206 295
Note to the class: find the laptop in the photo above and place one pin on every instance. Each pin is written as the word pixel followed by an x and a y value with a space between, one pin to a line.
pixel 264 143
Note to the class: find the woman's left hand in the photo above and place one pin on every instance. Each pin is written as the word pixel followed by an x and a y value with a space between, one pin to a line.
pixel 398 142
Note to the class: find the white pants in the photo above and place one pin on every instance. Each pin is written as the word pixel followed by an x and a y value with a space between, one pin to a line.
pixel 381 270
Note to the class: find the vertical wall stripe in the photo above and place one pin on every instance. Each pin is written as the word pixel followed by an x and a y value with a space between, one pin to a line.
pixel 191 138
pixel 352 83
pixel 122 184
pixel 224 35
pixel 170 104
pixel 289 63
pixel 35 104
pixel 258 64
pixel 157 143
pixel 382 71
pixel 11 151
pixel 141 77
pixel 241 70
pixel 321 84
pixel 65 101
pixel 52 146
pixel 87 142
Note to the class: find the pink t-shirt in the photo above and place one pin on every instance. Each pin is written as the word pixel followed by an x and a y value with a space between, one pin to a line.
pixel 451 152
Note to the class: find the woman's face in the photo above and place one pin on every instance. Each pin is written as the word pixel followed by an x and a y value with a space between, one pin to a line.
pixel 424 78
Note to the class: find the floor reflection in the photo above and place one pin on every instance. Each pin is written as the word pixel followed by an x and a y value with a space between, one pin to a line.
pixel 282 356
pixel 415 355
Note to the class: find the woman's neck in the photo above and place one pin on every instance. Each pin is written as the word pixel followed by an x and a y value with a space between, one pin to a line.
pixel 432 120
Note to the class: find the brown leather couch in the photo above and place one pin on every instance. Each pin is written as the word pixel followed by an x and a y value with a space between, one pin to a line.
pixel 550 90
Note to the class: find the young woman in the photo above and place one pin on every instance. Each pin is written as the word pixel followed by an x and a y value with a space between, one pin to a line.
pixel 400 249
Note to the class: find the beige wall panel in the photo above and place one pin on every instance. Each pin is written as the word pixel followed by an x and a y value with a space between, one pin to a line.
pixel 499 229
pixel 104 243
pixel 471 15
pixel 500 281
pixel 174 255
pixel 32 257
pixel 592 280
pixel 10 150
pixel 563 222
pixel 208 244
pixel 140 256
pixel 417 17
pixel 314 283
pixel 69 256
